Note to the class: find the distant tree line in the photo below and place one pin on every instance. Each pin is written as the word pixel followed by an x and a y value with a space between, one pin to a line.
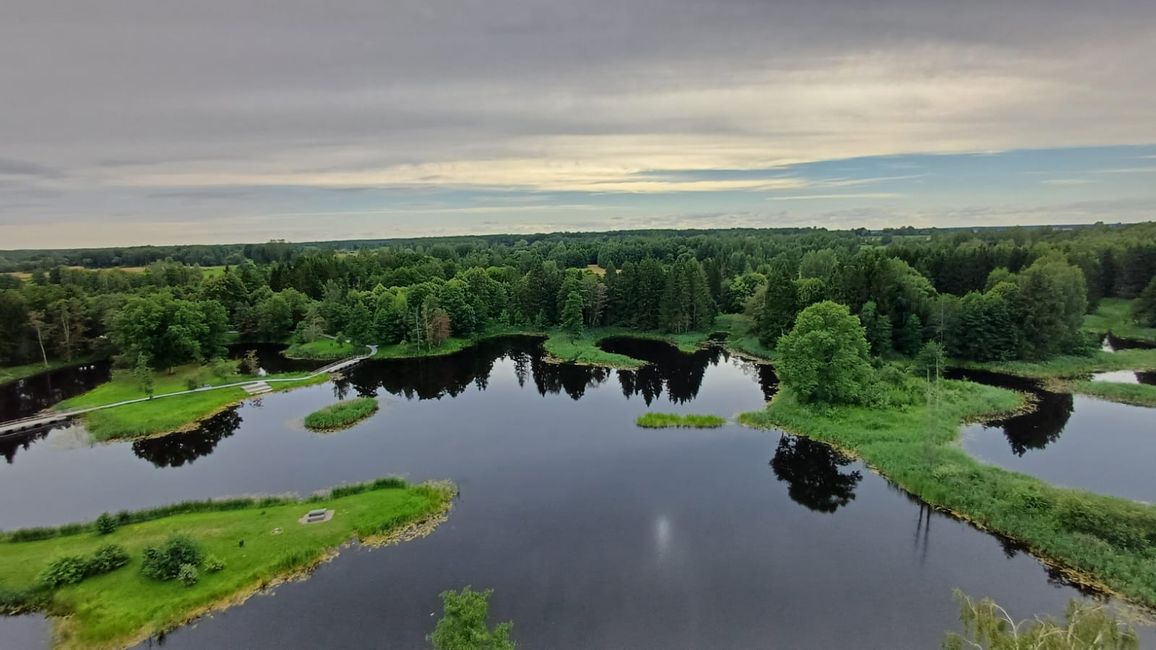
pixel 987 294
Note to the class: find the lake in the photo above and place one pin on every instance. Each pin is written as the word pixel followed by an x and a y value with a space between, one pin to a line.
pixel 592 532
pixel 1069 440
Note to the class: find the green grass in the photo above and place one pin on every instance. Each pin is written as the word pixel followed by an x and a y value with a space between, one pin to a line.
pixel 1069 365
pixel 324 349
pixel 407 351
pixel 1104 541
pixel 584 350
pixel 1115 315
pixel 12 373
pixel 122 607
pixel 1134 394
pixel 670 420
pixel 739 336
pixel 170 414
pixel 342 414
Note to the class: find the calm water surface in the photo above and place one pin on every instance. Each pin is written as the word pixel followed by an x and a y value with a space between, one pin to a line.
pixel 593 532
pixel 1070 440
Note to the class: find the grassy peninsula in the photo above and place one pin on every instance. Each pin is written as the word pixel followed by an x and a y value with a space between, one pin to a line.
pixel 174 413
pixel 674 420
pixel 1115 315
pixel 1064 366
pixel 341 415
pixel 1099 540
pixel 324 349
pixel 12 373
pixel 258 542
pixel 1134 394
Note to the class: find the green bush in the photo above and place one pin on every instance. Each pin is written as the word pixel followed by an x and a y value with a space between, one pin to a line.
pixel 214 564
pixel 188 575
pixel 65 570
pixel 107 558
pixel 71 569
pixel 164 562
pixel 106 524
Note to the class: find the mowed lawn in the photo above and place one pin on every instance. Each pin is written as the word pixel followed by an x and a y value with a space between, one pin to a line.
pixel 258 544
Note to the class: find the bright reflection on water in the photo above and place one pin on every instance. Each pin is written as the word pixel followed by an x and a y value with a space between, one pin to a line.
pixel 593 532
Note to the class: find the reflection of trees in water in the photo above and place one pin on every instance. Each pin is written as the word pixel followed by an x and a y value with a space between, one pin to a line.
pixel 9 445
pixel 680 375
pixel 812 473
pixel 1042 426
pixel 1034 430
pixel 30 395
pixel 1146 378
pixel 176 449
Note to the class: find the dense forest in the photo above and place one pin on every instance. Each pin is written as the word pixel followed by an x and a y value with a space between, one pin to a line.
pixel 987 294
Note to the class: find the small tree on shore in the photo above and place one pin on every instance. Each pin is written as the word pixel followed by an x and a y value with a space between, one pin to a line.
pixel 143 373
pixel 572 314
pixel 464 624
pixel 824 357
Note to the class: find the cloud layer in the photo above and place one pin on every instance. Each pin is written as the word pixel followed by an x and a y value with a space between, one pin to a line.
pixel 169 121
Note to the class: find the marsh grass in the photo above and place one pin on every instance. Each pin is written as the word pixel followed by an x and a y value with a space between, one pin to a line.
pixel 1067 366
pixel 1102 541
pixel 1134 394
pixel 118 608
pixel 342 414
pixel 672 420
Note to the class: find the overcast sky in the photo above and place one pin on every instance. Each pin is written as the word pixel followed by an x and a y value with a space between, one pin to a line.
pixel 158 121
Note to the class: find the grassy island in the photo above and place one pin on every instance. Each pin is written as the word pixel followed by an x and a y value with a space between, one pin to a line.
pixel 341 415
pixel 250 544
pixel 1103 541
pixel 324 350
pixel 12 373
pixel 674 420
pixel 173 413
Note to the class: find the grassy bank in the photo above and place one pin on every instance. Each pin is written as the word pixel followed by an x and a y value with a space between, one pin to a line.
pixel 12 373
pixel 1103 541
pixel 1069 365
pixel 584 350
pixel 407 351
pixel 1134 394
pixel 324 350
pixel 341 415
pixel 170 414
pixel 671 420
pixel 739 336
pixel 1115 315
pixel 260 542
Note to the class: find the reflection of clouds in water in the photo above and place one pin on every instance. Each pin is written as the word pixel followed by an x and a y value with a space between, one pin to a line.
pixel 71 436
pixel 662 534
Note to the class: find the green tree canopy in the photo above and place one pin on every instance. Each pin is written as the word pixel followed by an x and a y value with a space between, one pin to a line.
pixel 824 357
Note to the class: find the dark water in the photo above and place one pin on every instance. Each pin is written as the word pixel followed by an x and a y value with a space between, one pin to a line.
pixel 25 397
pixel 270 357
pixel 593 532
pixel 1070 440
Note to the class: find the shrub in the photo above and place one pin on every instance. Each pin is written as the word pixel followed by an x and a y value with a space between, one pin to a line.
pixel 106 524
pixel 164 562
pixel 66 570
pixel 214 564
pixel 1085 625
pixel 106 558
pixel 188 575
pixel 71 569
